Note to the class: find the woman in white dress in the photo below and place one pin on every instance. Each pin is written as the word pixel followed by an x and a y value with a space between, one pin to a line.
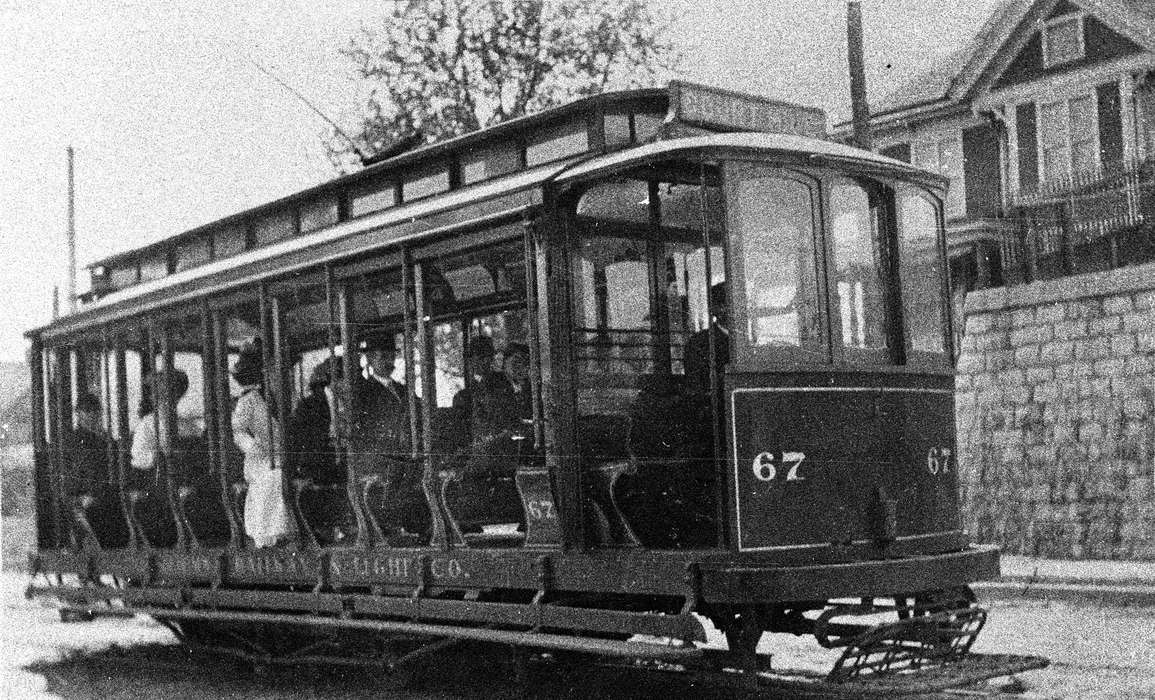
pixel 258 436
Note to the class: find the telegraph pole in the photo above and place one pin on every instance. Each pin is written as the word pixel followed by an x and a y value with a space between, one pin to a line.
pixel 858 104
pixel 71 236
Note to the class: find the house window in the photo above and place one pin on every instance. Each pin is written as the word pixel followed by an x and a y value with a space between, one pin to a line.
pixel 943 156
pixel 1063 40
pixel 1067 137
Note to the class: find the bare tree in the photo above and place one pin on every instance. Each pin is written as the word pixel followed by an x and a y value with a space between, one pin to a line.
pixel 441 68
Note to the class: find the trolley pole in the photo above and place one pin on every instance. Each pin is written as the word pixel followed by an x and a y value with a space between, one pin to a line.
pixel 858 104
pixel 71 235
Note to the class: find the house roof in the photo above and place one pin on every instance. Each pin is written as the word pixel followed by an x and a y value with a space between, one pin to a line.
pixel 952 80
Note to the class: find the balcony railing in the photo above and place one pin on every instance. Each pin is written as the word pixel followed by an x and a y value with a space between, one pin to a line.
pixel 1085 223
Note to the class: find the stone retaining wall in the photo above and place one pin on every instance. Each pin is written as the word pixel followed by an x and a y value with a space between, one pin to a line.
pixel 1055 416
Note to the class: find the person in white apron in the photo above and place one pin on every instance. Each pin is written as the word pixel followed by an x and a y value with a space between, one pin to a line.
pixel 258 436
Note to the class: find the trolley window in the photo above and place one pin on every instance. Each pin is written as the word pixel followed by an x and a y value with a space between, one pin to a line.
pixel 772 216
pixel 860 271
pixel 921 273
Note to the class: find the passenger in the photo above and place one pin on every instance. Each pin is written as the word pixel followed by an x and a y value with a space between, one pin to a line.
pixel 312 435
pixel 503 399
pixel 479 367
pixel 257 434
pixel 92 473
pixel 312 451
pixel 382 442
pixel 381 424
pixel 145 442
pixel 697 355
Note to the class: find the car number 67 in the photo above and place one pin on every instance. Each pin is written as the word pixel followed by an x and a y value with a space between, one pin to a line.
pixel 768 464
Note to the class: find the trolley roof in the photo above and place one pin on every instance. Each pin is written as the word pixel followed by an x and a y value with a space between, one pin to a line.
pixel 505 165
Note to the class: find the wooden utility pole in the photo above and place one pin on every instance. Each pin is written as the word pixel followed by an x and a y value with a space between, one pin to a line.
pixel 858 104
pixel 71 236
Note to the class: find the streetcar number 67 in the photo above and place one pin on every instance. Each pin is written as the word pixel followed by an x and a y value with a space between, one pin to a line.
pixel 767 465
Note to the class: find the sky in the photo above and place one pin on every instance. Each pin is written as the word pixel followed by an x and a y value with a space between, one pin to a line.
pixel 173 127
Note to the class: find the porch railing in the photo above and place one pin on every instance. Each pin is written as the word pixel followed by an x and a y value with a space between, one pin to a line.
pixel 1088 222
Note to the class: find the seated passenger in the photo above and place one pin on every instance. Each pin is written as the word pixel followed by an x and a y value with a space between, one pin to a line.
pixel 382 441
pixel 92 473
pixel 311 441
pixel 145 438
pixel 697 357
pixel 312 435
pixel 501 405
pixel 478 368
pixel 257 434
pixel 502 400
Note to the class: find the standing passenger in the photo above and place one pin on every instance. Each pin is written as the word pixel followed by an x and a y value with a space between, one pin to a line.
pixel 257 435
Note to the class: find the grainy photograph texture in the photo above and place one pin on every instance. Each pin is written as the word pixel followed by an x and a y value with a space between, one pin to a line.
pixel 577 348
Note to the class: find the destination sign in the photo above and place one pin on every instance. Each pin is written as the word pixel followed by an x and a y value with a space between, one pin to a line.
pixel 714 108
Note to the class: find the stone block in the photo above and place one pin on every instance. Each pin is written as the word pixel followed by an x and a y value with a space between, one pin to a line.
pixel 998 360
pixel 1139 321
pixel 1022 317
pixel 1146 341
pixel 1092 348
pixel 1145 300
pixel 970 363
pixel 1136 407
pixel 1027 355
pixel 1138 365
pixel 979 323
pixel 1090 433
pixel 1084 308
pixel 1045 392
pixel 990 341
pixel 1117 304
pixel 1110 367
pixel 1122 344
pixel 1038 333
pixel 1050 313
pixel 1056 351
pixel 1038 375
pixel 1016 393
pixel 962 382
pixel 1074 328
pixel 1105 325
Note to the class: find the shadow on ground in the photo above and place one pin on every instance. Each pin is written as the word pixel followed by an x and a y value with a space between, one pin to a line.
pixel 172 671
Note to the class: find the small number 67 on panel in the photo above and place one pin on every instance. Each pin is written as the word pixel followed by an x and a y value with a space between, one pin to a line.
pixel 767 465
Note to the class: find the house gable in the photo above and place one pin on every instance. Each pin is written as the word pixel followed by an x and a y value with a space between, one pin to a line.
pixel 1101 43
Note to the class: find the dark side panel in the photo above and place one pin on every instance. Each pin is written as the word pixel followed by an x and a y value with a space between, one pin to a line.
pixel 817 465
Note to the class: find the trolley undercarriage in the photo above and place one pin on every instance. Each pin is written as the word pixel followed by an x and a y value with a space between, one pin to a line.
pixel 911 643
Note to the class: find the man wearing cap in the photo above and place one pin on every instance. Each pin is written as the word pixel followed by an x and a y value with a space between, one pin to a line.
pixel 381 424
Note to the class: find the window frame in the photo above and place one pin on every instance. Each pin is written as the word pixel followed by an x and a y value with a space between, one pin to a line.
pixel 1068 142
pixel 887 230
pixel 1052 61
pixel 921 359
pixel 744 355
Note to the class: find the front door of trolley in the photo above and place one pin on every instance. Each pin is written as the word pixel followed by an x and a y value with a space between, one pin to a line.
pixel 650 346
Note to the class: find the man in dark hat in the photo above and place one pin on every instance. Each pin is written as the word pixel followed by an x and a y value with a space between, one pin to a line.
pixel 381 422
